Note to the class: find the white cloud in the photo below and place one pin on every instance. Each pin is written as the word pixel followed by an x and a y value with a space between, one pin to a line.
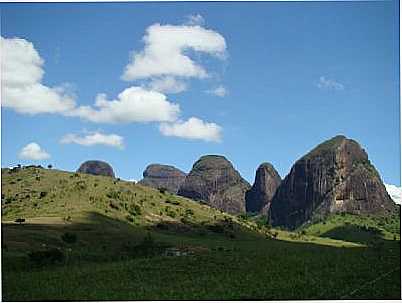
pixel 134 104
pixel 163 53
pixel 193 128
pixel 168 85
pixel 33 151
pixel 22 73
pixel 395 192
pixel 330 84
pixel 94 138
pixel 195 20
pixel 219 91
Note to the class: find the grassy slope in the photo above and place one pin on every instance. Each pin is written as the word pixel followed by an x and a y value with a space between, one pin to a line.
pixel 241 264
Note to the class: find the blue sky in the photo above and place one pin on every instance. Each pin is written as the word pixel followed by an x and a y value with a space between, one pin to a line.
pixel 279 78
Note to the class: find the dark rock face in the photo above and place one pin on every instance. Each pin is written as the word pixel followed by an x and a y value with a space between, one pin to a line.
pixel 261 193
pixel 334 177
pixel 95 167
pixel 214 180
pixel 163 176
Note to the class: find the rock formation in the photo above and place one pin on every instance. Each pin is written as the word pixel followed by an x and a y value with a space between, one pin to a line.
pixel 96 167
pixel 336 176
pixel 163 176
pixel 266 182
pixel 214 180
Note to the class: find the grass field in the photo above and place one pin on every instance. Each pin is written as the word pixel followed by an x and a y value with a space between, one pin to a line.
pixel 121 241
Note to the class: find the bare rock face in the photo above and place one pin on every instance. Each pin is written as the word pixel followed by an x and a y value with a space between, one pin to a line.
pixel 336 176
pixel 214 180
pixel 96 167
pixel 261 193
pixel 163 176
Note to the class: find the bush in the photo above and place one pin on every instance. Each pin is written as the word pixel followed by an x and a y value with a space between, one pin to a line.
pixel 42 194
pixel 130 218
pixel 169 212
pixel 162 190
pixel 172 202
pixel 69 238
pixel 20 220
pixel 46 257
pixel 113 195
pixel 135 210
pixel 113 205
pixel 189 212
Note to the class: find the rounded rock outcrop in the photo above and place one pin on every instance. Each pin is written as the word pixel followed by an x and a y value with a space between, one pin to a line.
pixel 163 176
pixel 214 180
pixel 96 167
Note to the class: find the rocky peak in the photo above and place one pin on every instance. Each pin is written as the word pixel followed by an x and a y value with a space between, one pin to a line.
pixel 96 167
pixel 266 182
pixel 336 176
pixel 213 179
pixel 163 176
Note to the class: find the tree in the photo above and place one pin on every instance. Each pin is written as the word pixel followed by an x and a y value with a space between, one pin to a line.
pixel 50 166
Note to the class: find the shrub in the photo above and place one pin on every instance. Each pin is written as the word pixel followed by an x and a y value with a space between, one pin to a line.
pixel 113 205
pixel 172 202
pixel 67 218
pixel 189 212
pixel 162 190
pixel 130 218
pixel 46 257
pixel 113 195
pixel 69 238
pixel 170 212
pixel 42 194
pixel 20 220
pixel 135 210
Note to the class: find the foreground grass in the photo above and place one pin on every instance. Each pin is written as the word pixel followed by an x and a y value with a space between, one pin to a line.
pixel 265 269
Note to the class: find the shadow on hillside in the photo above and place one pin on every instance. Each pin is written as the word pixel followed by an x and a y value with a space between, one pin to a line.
pixel 354 233
pixel 99 238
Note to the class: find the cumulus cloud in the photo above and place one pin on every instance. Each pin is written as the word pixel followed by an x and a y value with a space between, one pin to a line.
pixel 168 85
pixel 195 20
pixel 329 84
pixel 193 128
pixel 23 91
pixel 33 151
pixel 22 73
pixel 395 192
pixel 219 91
pixel 134 104
pixel 164 52
pixel 94 138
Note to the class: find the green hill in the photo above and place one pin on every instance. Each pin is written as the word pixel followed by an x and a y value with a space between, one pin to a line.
pixel 90 237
